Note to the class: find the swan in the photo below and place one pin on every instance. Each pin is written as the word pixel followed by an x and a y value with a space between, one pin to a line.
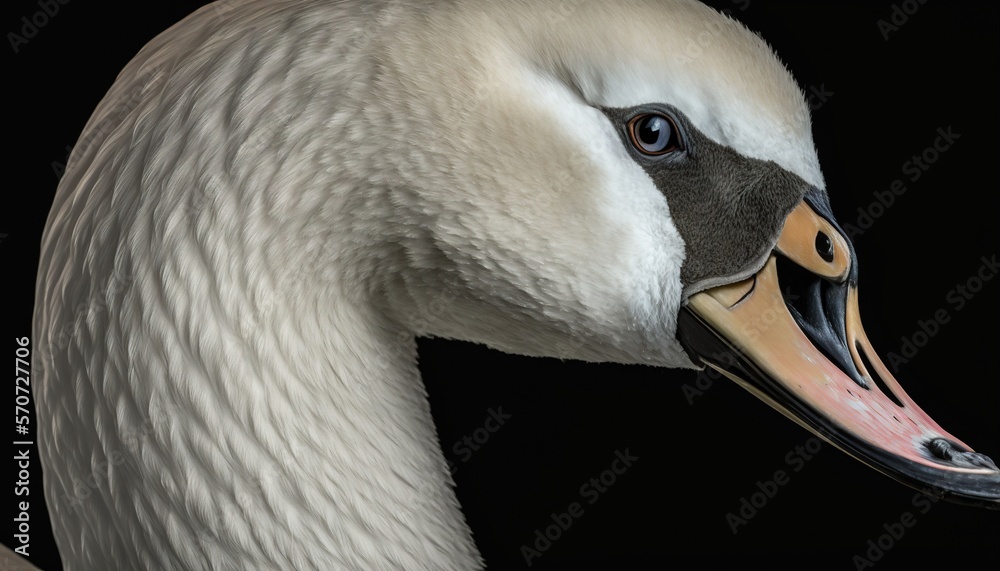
pixel 282 207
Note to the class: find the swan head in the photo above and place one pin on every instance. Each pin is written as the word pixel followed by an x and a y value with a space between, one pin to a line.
pixel 295 190
pixel 633 183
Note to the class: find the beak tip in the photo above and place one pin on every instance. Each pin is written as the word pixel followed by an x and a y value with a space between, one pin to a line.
pixel 792 335
pixel 944 450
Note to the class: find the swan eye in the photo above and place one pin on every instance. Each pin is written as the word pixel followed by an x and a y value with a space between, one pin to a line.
pixel 653 134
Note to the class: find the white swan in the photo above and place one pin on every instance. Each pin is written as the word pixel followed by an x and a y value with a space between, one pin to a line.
pixel 296 189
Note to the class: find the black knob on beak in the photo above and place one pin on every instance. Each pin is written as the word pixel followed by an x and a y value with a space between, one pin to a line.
pixel 824 246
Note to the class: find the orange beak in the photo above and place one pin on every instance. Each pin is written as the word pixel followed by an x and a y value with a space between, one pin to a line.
pixel 792 335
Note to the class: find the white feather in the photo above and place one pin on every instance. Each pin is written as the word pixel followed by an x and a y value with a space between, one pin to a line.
pixel 276 197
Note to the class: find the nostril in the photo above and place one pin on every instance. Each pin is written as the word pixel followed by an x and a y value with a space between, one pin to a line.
pixel 824 246
pixel 944 450
pixel 815 304
pixel 874 376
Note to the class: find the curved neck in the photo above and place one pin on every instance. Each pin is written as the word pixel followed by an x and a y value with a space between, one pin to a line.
pixel 293 433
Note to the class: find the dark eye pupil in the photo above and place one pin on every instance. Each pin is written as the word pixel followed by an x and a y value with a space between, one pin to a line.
pixel 652 130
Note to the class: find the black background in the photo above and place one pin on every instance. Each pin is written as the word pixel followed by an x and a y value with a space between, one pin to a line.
pixel 696 461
